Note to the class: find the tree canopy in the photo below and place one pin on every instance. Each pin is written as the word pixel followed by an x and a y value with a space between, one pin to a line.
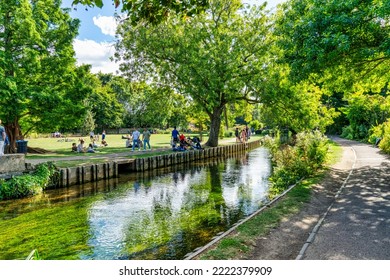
pixel 216 58
pixel 152 11
pixel 349 36
pixel 39 78
pixel 343 47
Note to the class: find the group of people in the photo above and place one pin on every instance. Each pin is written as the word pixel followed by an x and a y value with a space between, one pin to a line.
pixel 181 143
pixel 135 142
pixel 92 147
pixel 242 136
pixel 80 148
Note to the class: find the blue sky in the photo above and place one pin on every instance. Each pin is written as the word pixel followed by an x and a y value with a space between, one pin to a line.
pixel 95 43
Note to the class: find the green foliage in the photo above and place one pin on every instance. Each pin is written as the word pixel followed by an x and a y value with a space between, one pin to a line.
pixel 25 185
pixel 41 88
pixel 296 106
pixel 319 35
pixel 347 132
pixel 312 148
pixel 292 163
pixel 382 133
pixel 34 255
pixel 153 11
pixel 89 123
pixel 272 143
pixel 365 111
pixel 104 102
pixel 256 125
pixel 343 48
pixel 384 144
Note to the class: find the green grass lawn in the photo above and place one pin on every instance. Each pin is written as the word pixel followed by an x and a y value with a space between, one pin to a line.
pixel 115 143
pixel 60 148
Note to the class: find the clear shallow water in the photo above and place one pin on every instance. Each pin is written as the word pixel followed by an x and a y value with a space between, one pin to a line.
pixel 162 214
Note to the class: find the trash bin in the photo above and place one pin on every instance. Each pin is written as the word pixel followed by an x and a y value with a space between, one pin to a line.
pixel 21 146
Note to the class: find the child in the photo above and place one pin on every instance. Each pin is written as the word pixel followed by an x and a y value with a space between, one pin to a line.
pixel 74 147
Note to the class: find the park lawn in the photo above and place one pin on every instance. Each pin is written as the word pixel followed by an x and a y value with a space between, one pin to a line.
pixel 60 148
pixel 116 145
pixel 114 141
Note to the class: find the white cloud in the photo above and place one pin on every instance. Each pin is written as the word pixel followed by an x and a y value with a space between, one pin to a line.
pixel 106 24
pixel 96 54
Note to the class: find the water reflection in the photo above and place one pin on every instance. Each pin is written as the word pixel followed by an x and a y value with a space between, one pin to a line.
pixel 162 214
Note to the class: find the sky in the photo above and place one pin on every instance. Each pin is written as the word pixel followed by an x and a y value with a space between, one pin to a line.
pixel 95 43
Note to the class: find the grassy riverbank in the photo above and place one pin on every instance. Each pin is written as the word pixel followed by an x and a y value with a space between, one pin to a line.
pixel 240 243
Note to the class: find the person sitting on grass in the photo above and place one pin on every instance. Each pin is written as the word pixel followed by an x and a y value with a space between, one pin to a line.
pixel 80 147
pixel 128 142
pixel 94 145
pixel 196 143
pixel 74 147
pixel 90 149
pixel 104 143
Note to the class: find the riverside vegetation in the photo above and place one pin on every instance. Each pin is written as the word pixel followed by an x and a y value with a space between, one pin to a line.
pixel 44 175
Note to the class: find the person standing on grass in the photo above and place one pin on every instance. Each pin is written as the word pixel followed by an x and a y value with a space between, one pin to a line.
pixel 175 135
pixel 237 133
pixel 248 133
pixel 146 138
pixel 243 135
pixel 2 139
pixel 136 134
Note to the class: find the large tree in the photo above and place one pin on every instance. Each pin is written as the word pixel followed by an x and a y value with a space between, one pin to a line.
pixel 344 48
pixel 217 58
pixel 40 85
pixel 348 40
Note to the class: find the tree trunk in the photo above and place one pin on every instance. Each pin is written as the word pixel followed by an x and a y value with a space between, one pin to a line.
pixel 14 133
pixel 215 119
pixel 226 119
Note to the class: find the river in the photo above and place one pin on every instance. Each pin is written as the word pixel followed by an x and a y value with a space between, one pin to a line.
pixel 161 214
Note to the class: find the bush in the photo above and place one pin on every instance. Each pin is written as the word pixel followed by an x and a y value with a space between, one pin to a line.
pixel 312 149
pixel 256 125
pixel 29 184
pixel 376 133
pixel 228 134
pixel 384 144
pixel 347 132
pixel 292 163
